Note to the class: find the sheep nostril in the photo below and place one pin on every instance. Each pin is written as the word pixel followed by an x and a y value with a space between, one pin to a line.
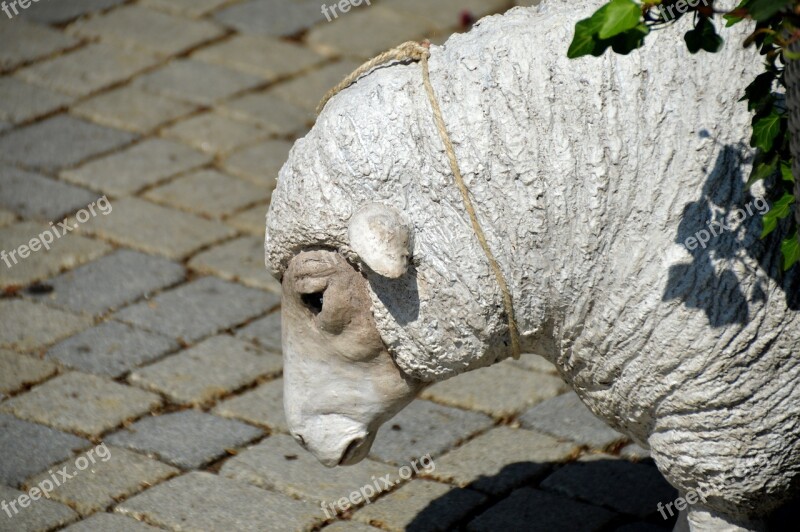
pixel 299 439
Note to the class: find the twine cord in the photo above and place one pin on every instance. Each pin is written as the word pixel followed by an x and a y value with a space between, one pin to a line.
pixel 413 51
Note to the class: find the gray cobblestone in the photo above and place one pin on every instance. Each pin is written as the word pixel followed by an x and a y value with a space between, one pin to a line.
pixel 197 82
pixel 214 133
pixel 144 164
pixel 201 308
pixel 423 506
pixel 59 142
pixel 307 91
pixel 18 371
pixel 28 326
pixel 22 101
pixel 35 196
pixel 265 332
pixel 534 363
pixel 537 511
pixel 148 29
pixel 446 14
pixel 349 526
pixel 132 109
pixel 271 17
pixel 261 56
pixel 250 221
pixel 279 463
pixel 633 489
pixel 111 349
pixel 84 404
pixel 29 449
pixel 66 10
pixel 40 516
pixel 202 501
pixel 121 474
pixel 8 217
pixel 192 8
pixel 262 406
pixel 155 229
pixel 187 439
pixel 209 193
pixel 425 428
pixel 238 260
pixel 478 390
pixel 516 457
pixel 260 163
pixel 111 282
pixel 110 523
pixel 88 69
pixel 275 115
pixel 68 251
pixel 566 417
pixel 21 42
pixel 207 371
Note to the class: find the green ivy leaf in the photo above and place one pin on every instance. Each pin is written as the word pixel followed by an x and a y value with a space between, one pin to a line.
pixel 766 130
pixel 731 20
pixel 759 90
pixel 765 9
pixel 791 251
pixel 762 170
pixel 786 171
pixel 703 37
pixel 780 210
pixel 628 41
pixel 585 41
pixel 620 16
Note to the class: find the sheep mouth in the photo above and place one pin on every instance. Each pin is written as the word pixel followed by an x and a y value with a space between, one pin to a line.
pixel 356 451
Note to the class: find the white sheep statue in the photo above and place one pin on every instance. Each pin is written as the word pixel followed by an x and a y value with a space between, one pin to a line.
pixel 612 194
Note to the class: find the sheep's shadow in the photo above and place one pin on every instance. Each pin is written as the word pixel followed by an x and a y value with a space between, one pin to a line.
pixel 723 199
pixel 593 495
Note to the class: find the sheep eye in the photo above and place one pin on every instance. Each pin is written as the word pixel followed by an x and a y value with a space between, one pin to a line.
pixel 313 302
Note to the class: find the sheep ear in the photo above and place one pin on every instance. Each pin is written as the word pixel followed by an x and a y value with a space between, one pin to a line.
pixel 382 239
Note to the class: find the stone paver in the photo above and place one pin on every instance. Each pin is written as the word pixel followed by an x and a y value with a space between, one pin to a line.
pixel 59 142
pixel 111 349
pixel 215 133
pixel 202 501
pixel 67 251
pixel 279 463
pixel 271 113
pixel 421 505
pixel 18 371
pixel 534 363
pixel 208 193
pixel 250 221
pixel 113 473
pixel 191 8
pixel 619 485
pixel 22 43
pixel 197 82
pixel 271 17
pixel 33 195
pixel 88 69
pixel 155 229
pixel 148 29
pixel 84 404
pixel 537 511
pixel 262 406
pixel 516 457
pixel 567 417
pixel 265 332
pixel 267 57
pixel 130 170
pixel 307 91
pixel 239 260
pixel 111 282
pixel 132 109
pixel 349 526
pixel 38 516
pixel 8 217
pixel 29 449
pixel 201 308
pixel 478 390
pixel 22 101
pixel 260 163
pixel 66 10
pixel 425 428
pixel 207 371
pixel 110 522
pixel 447 14
pixel 28 326
pixel 187 439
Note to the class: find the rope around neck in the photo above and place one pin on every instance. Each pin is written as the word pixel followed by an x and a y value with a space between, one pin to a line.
pixel 413 51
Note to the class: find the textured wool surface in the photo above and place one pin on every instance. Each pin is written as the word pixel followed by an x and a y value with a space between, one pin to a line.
pixel 588 176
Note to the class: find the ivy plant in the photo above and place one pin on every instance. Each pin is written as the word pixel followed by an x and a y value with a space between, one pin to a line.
pixel 623 25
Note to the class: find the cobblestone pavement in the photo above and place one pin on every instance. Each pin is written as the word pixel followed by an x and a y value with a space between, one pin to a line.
pixel 153 329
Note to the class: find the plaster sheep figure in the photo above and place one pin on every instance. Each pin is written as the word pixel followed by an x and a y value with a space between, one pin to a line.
pixel 612 193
